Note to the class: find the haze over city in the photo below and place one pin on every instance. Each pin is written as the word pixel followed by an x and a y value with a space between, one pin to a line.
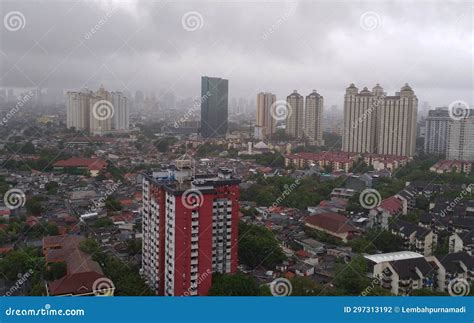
pixel 273 46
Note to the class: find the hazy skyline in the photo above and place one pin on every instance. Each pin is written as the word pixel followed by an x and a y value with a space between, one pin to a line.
pixel 258 46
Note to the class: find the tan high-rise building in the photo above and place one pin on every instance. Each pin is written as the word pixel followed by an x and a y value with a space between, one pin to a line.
pixel 265 125
pixel 97 112
pixel 381 124
pixel 460 145
pixel 78 110
pixel 295 120
pixel 313 117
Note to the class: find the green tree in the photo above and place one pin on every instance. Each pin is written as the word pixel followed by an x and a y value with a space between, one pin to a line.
pixel 237 284
pixel 55 270
pixel 258 247
pixel 352 277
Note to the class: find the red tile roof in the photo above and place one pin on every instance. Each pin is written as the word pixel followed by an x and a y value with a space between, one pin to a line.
pixel 391 204
pixel 78 283
pixel 332 222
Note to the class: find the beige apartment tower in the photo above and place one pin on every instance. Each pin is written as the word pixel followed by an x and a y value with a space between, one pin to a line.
pixel 295 120
pixel 381 124
pixel 265 124
pixel 313 117
pixel 99 112
pixel 460 145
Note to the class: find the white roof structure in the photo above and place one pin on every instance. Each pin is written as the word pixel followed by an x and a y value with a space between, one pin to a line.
pixel 393 256
pixel 260 145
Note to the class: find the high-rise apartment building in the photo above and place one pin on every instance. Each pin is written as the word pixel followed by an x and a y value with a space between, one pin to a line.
pixel 460 143
pixel 97 112
pixel 78 110
pixel 313 117
pixel 436 131
pixel 265 124
pixel 295 115
pixel 190 229
pixel 214 106
pixel 377 123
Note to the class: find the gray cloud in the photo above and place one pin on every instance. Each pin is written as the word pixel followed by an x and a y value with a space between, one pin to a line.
pixel 258 46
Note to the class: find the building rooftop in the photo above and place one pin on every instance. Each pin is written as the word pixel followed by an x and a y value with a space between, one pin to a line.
pixel 393 256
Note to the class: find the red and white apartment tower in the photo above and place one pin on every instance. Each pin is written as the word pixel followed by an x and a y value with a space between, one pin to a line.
pixel 190 225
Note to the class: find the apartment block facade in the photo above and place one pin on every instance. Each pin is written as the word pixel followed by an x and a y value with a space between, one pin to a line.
pixel 190 230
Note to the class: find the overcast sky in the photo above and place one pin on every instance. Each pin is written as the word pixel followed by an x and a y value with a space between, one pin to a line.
pixel 259 46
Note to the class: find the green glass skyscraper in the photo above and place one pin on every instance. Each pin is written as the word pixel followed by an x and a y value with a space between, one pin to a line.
pixel 214 106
